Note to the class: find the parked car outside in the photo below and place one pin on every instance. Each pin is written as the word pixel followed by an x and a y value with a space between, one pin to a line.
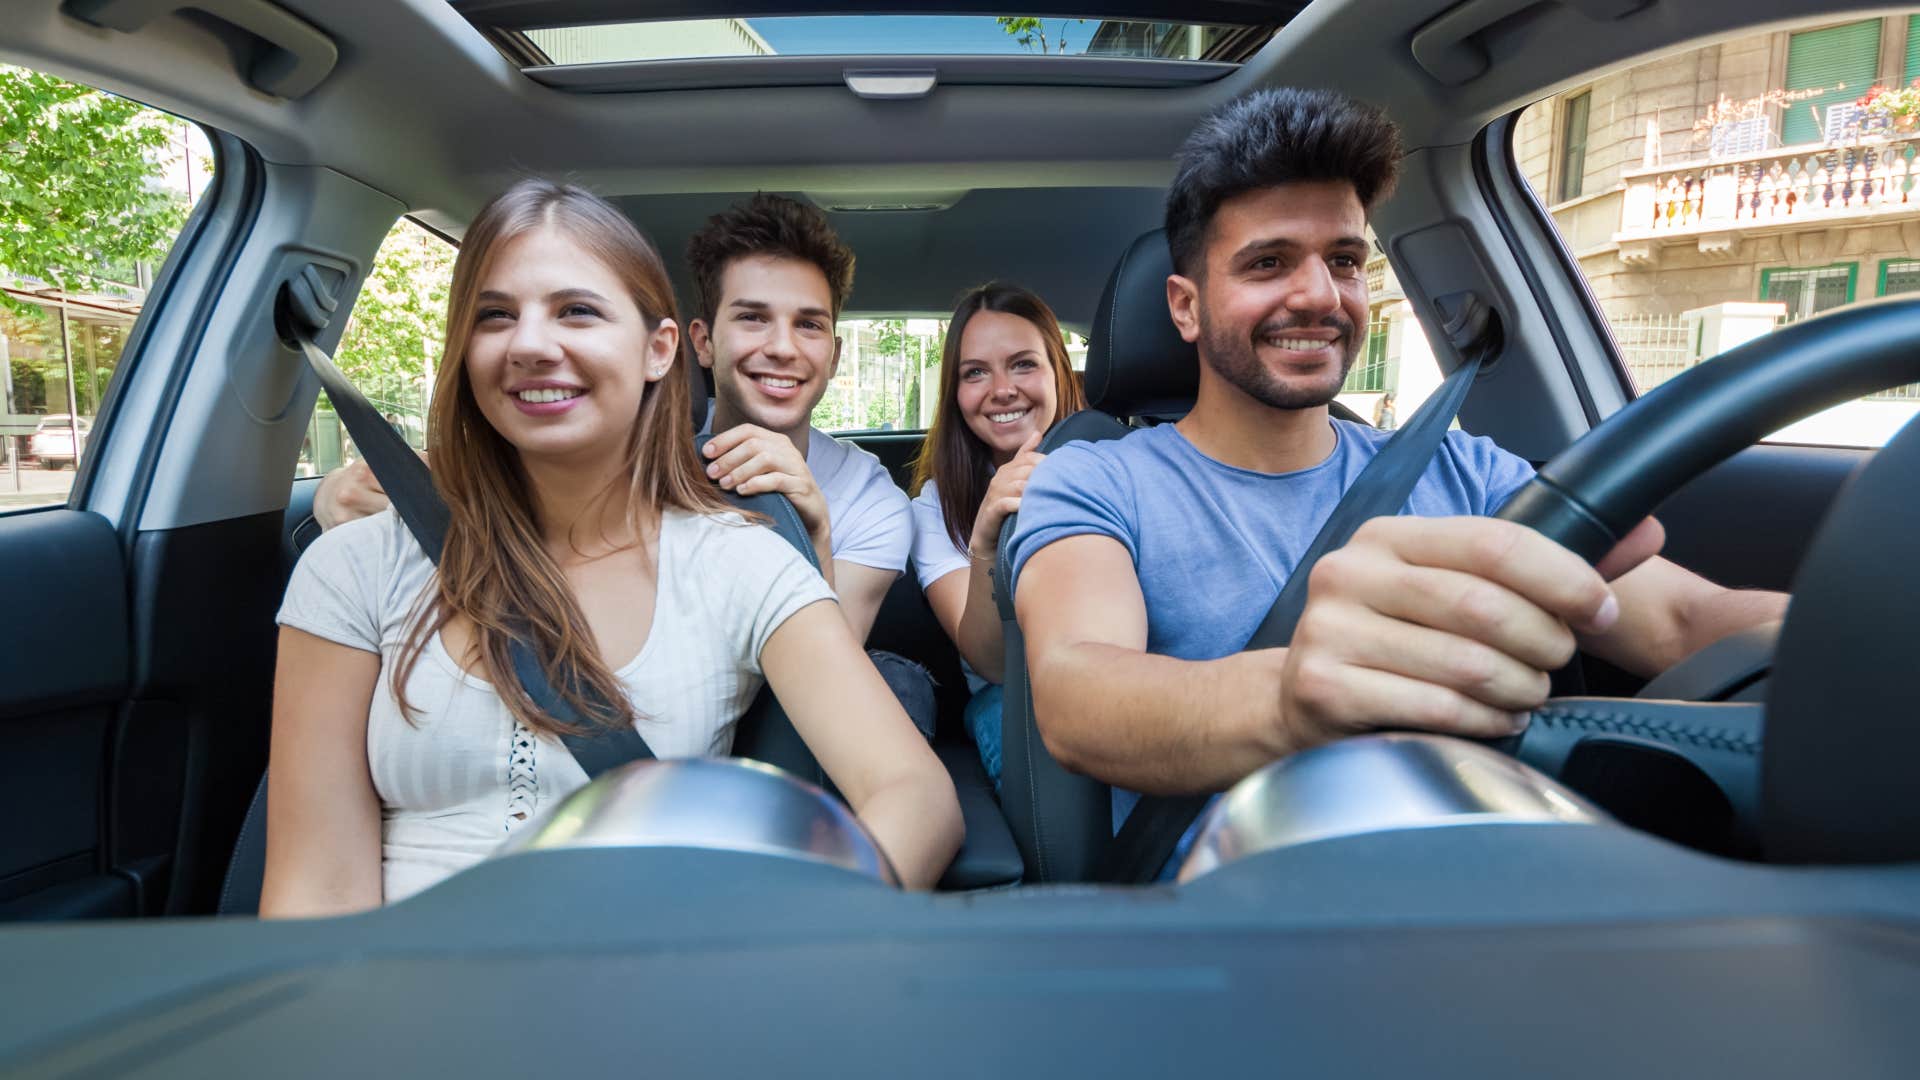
pixel 53 444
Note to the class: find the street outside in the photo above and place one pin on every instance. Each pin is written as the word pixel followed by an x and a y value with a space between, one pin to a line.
pixel 35 486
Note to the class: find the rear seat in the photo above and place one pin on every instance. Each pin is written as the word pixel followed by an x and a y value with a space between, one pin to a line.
pixel 906 625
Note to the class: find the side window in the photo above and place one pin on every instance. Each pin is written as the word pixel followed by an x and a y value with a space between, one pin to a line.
pixel 1394 371
pixel 392 344
pixel 93 191
pixel 889 376
pixel 1712 196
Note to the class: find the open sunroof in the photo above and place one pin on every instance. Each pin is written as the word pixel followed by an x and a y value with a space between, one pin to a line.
pixel 549 33
pixel 889 35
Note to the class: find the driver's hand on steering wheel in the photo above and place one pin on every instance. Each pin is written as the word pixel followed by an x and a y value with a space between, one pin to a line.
pixel 1443 624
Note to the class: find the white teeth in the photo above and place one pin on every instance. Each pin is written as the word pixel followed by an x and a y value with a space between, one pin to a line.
pixel 1299 344
pixel 777 383
pixel 1006 417
pixel 548 395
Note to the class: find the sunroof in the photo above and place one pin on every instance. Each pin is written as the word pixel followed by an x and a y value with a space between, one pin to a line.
pixel 889 35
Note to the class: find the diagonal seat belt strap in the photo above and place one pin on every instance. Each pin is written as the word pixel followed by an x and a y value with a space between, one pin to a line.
pixel 400 471
pixel 1150 834
pixel 409 485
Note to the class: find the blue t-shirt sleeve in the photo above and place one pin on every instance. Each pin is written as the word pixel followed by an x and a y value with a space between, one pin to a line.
pixel 1481 477
pixel 1505 474
pixel 1076 491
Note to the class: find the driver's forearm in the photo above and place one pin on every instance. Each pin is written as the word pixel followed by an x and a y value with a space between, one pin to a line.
pixel 1157 724
pixel 1725 611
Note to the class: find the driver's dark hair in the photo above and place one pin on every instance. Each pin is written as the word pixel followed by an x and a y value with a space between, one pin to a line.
pixel 1272 137
pixel 766 225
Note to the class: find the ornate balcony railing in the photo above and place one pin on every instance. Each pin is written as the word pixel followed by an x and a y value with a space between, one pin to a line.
pixel 1794 183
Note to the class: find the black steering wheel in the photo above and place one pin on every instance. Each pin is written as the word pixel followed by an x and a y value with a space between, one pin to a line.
pixel 1602 486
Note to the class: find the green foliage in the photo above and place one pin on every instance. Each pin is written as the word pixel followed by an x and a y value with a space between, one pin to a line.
pixel 1031 33
pixel 400 318
pixel 80 198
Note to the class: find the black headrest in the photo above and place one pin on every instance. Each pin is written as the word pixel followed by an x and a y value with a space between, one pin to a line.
pixel 1137 364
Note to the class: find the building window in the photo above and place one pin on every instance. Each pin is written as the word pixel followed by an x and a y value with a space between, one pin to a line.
pixel 1912 69
pixel 1899 276
pixel 1573 146
pixel 1841 62
pixel 1808 292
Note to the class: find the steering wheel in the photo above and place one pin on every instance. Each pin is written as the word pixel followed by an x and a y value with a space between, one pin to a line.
pixel 1598 489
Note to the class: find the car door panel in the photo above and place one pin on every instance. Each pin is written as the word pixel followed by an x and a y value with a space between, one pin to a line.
pixel 67 663
pixel 1747 522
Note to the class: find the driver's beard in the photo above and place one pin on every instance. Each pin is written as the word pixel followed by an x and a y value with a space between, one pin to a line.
pixel 1236 359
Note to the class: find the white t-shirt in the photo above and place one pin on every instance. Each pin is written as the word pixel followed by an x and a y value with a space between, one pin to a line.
pixel 935 555
pixel 868 515
pixel 461 777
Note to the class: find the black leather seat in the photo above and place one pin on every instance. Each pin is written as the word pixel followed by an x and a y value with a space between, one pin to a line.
pixel 1139 372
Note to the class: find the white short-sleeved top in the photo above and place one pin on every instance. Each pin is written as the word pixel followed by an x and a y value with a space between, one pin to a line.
pixel 463 775
pixel 935 555
pixel 867 513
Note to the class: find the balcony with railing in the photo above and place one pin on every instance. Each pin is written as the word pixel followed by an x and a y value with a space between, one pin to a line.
pixel 1790 186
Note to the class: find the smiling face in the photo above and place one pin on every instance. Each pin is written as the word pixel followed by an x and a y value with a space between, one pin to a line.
pixel 1005 389
pixel 1278 310
pixel 559 355
pixel 771 344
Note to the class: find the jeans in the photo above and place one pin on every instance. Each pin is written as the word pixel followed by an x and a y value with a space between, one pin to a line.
pixel 983 723
pixel 912 685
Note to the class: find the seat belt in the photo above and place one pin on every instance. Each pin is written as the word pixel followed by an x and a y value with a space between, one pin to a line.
pixel 1147 838
pixel 409 484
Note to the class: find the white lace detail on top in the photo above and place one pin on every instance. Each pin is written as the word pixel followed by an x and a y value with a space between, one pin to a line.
pixel 523 787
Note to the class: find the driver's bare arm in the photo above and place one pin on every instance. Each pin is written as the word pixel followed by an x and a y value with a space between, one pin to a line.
pixel 860 590
pixel 1668 613
pixel 1108 708
pixel 323 814
pixel 855 727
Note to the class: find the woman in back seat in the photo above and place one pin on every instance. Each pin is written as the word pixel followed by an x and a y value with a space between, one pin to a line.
pixel 404 746
pixel 1004 381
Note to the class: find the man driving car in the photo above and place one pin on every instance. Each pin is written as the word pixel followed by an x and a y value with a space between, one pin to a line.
pixel 1442 619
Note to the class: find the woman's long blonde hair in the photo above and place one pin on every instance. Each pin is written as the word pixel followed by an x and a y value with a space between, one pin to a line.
pixel 494 570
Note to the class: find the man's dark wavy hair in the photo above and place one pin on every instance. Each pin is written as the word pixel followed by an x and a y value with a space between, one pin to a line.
pixel 767 225
pixel 1272 137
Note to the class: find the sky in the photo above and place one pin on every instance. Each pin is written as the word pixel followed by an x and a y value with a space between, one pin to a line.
pixel 897 34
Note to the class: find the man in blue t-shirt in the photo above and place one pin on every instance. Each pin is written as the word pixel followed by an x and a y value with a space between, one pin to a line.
pixel 1142 566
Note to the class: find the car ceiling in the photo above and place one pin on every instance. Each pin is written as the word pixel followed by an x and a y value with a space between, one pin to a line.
pixel 423 108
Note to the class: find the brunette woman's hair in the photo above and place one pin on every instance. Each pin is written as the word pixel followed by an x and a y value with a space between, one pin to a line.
pixel 494 570
pixel 953 457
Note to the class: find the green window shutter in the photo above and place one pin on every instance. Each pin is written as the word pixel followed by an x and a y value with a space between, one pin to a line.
pixel 1913 49
pixel 1899 277
pixel 1573 146
pixel 1842 60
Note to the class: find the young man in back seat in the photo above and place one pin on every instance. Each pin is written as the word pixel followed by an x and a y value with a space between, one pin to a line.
pixel 1144 565
pixel 770 277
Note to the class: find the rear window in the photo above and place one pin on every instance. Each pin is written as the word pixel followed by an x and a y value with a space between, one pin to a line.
pixel 889 375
